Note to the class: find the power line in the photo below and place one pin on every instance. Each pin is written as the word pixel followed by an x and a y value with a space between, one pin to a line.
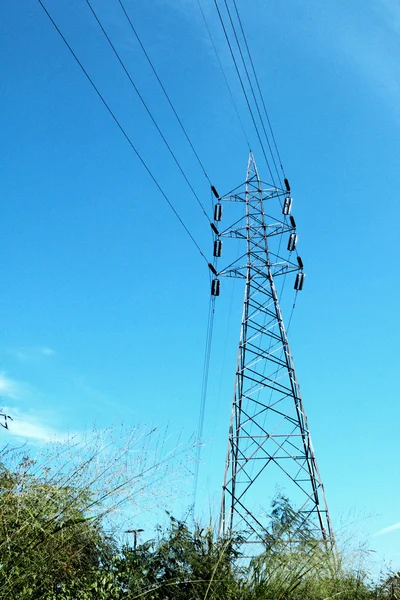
pixel 120 127
pixel 147 109
pixel 164 90
pixel 206 371
pixel 258 87
pixel 223 74
pixel 243 88
pixel 251 86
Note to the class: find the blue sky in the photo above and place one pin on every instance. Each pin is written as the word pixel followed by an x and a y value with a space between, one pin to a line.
pixel 104 299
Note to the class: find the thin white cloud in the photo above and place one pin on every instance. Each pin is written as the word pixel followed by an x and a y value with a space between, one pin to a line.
pixel 30 431
pixel 47 351
pixel 389 529
pixel 29 427
pixel 8 387
pixel 33 353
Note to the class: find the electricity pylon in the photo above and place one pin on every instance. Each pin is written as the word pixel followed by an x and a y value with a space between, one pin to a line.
pixel 269 440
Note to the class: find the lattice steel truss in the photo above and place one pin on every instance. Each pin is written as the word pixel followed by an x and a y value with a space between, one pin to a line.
pixel 269 439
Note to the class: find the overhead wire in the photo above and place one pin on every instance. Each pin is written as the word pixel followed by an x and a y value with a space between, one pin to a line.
pixel 243 89
pixel 225 346
pixel 206 371
pixel 291 312
pixel 210 325
pixel 252 88
pixel 259 87
pixel 206 363
pixel 164 90
pixel 120 127
pixel 224 74
pixel 147 108
pixel 258 111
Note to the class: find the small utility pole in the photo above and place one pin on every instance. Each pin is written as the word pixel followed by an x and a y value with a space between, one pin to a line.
pixel 135 534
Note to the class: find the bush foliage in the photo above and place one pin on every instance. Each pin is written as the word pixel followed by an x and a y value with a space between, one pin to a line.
pixel 54 546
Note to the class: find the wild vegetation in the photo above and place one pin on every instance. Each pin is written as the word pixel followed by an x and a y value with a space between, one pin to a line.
pixel 57 540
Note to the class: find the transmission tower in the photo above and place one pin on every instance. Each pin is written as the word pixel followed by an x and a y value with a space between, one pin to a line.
pixel 269 440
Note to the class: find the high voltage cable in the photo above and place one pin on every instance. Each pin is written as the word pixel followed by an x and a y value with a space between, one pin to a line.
pixel 223 74
pixel 147 109
pixel 120 127
pixel 164 90
pixel 243 88
pixel 206 365
pixel 206 371
pixel 251 87
pixel 258 87
pixel 292 311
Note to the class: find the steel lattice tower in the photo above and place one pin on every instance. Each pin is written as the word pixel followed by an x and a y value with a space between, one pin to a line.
pixel 269 439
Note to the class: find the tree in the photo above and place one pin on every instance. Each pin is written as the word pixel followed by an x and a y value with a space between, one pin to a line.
pixel 390 586
pixel 301 566
pixel 180 563
pixel 47 538
pixel 55 510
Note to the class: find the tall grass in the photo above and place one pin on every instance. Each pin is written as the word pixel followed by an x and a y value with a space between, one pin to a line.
pixel 59 539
